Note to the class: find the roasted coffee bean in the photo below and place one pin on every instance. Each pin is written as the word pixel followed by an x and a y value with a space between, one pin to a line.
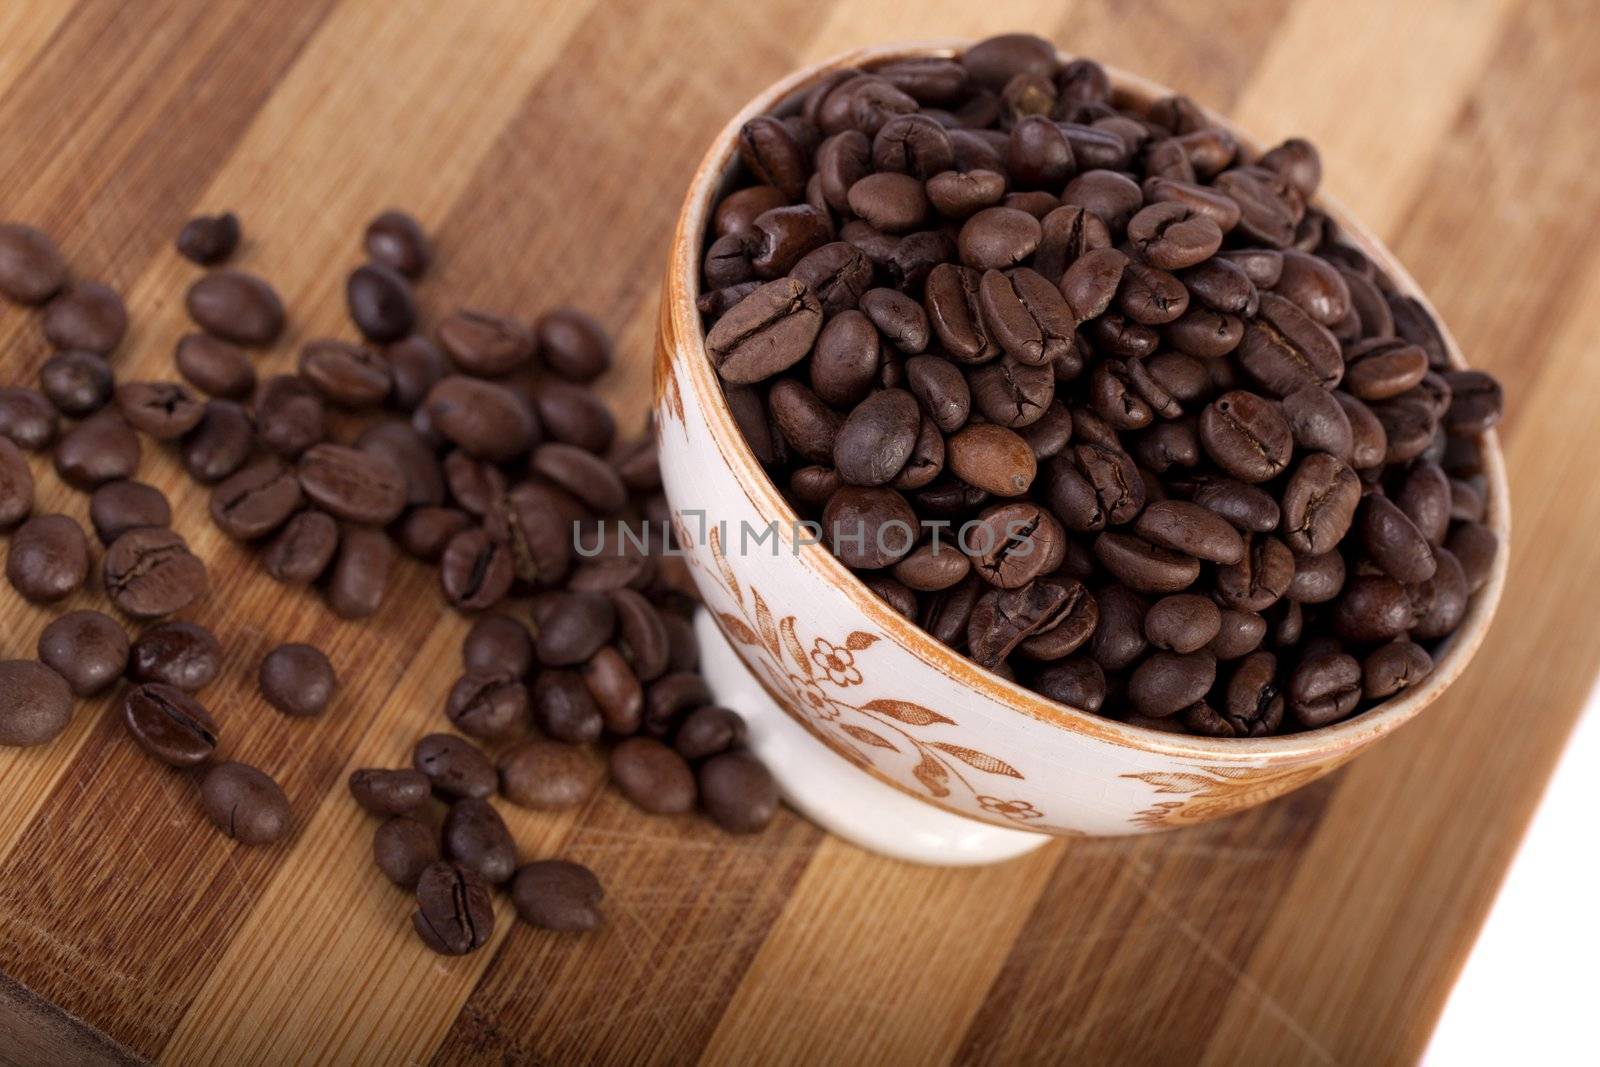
pixel 1383 367
pixel 998 237
pixel 403 848
pixel 557 895
pixel 1091 282
pixel 397 241
pixel 164 410
pixel 245 803
pixel 350 483
pixel 1167 682
pixel 1002 619
pixel 455 913
pixel 1260 579
pixel 289 415
pixel 476 839
pixel 389 792
pixel 1476 402
pixel 845 362
pixel 1190 529
pixel 489 705
pixel 564 709
pixel 484 344
pixel 1247 436
pixel 237 307
pixel 1372 608
pixel 48 559
pixel 416 365
pixel 215 367
pixel 219 446
pixel 782 237
pixel 1249 508
pixel 256 501
pixel 149 572
pixel 455 767
pixel 1440 603
pixel 209 239
pixel 642 635
pixel 584 475
pixel 1475 547
pixel 549 775
pixel 380 302
pixel 399 443
pixel 360 572
pixel 1143 566
pixel 35 701
pixel 486 420
pixel 869 528
pixel 1317 579
pixel 737 212
pixel 941 389
pixel 1319 504
pixel 1426 499
pixel 426 532
pixel 992 458
pixel 1011 393
pixel 708 731
pixel 877 438
pixel 31 267
pixel 1010 545
pixel 100 449
pixel 670 698
pixel 575 415
pixel 1391 668
pixel 302 550
pixel 1038 154
pixel 16 485
pixel 1183 623
pixel 1324 687
pixel 498 643
pixel 616 690
pixel 954 309
pixel 77 382
pixel 932 567
pixel 1068 629
pixel 86 316
pixel 27 418
pixel 738 792
pixel 1318 422
pixel 183 655
pixel 1077 682
pixel 298 680
pixel 1241 633
pixel 346 375
pixel 1394 543
pixel 87 648
pixel 579 624
pixel 652 776
pixel 892 203
pixel 169 724
pixel 1283 348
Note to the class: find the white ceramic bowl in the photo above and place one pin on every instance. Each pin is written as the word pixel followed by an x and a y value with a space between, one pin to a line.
pixel 877 730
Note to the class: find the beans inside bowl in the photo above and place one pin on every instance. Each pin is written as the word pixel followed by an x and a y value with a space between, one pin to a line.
pixel 1096 395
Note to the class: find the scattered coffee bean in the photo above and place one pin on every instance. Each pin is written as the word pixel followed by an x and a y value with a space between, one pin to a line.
pixel 27 418
pixel 209 239
pixel 16 485
pixel 476 840
pixel 48 558
pixel 298 680
pixel 117 507
pixel 360 572
pixel 35 704
pixel 102 448
pixel 183 655
pixel 455 913
pixel 550 775
pixel 557 895
pixel 301 551
pixel 652 776
pixel 169 724
pixel 149 572
pixel 738 792
pixel 386 792
pixel 456 767
pixel 237 307
pixel 403 848
pixel 397 241
pixel 87 648
pixel 31 267
pixel 245 803
pixel 380 302
pixel 87 316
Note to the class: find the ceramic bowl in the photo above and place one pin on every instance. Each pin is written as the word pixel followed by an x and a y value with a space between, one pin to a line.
pixel 881 732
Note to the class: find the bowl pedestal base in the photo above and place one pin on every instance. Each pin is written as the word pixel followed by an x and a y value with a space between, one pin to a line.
pixel 836 796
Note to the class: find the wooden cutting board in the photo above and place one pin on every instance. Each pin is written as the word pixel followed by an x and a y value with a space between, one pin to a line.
pixel 546 144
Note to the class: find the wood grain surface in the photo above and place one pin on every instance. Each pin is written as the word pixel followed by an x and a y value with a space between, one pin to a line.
pixel 546 143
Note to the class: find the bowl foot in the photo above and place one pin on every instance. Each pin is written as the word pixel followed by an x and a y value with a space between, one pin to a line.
pixel 838 797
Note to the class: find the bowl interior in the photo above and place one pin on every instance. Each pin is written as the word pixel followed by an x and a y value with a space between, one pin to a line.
pixel 715 174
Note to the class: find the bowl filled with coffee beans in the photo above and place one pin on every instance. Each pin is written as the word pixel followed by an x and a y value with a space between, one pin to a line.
pixel 1051 455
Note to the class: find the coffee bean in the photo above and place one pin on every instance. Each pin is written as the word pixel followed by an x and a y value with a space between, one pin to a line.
pixel 616 690
pixel 456 768
pixel 1191 529
pixel 16 485
pixel 77 382
pixel 893 203
pixel 1167 682
pixel 100 449
pixel 1324 688
pixel 385 792
pixel 1383 367
pixel 27 418
pixel 245 804
pixel 1038 153
pixel 1476 402
pixel 485 344
pixel 219 446
pixel 149 572
pixel 48 558
pixel 349 483
pixel 498 643
pixel 875 441
pixel 455 913
pixel 416 365
pixel 87 648
pixel 575 415
pixel 652 776
pixel 1247 436
pixel 564 709
pixel 1317 579
pixel 549 776
pixel 1394 667
pixel 1260 579
pixel 403 848
pixel 476 840
pixel 289 415
pixel 769 331
pixel 557 895
pixel 738 792
pixel 869 528
pixel 1010 545
pixel 1002 619
pixel 31 267
pixel 992 458
pixel 169 724
pixel 1319 504
pixel 35 701
pixel 1394 543
pixel 256 501
pixel 998 237
pixel 297 680
pixel 346 375
pixel 209 239
pixel 360 573
pixel 489 705
pixel 237 307
pixel 86 316
pixel 1077 682
pixel 302 550
pixel 380 302
pixel 183 655
pixel 1372 608
pixel 396 240
pixel 486 420
pixel 1183 623
pixel 1143 566
pixel 215 367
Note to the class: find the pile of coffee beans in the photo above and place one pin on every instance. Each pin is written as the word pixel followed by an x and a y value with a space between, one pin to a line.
pixel 1095 395
pixel 481 450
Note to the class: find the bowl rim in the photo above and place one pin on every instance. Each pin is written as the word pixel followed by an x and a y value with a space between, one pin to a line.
pixel 687 353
